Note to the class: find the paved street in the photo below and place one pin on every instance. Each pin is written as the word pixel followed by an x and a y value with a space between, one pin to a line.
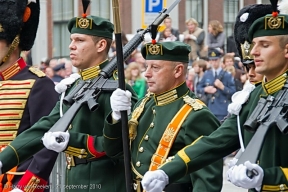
pixel 227 186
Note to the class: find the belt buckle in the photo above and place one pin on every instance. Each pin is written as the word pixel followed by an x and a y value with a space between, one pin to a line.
pixel 70 161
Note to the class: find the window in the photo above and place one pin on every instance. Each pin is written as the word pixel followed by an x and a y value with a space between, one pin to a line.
pixel 231 9
pixel 63 11
pixel 100 8
pixel 194 9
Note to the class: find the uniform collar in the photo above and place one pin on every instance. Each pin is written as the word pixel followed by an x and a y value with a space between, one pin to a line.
pixel 275 84
pixel 92 72
pixel 171 95
pixel 13 69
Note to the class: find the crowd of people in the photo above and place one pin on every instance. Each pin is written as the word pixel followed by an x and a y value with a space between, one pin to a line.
pixel 187 103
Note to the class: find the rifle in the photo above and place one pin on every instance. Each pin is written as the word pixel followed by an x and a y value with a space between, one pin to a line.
pixel 87 92
pixel 268 112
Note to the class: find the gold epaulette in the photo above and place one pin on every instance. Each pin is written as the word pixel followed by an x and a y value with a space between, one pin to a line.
pixel 37 72
pixel 195 103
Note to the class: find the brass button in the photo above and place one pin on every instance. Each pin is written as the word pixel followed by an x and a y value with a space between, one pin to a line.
pixel 138 164
pixel 152 125
pixel 146 137
pixel 82 151
pixel 70 126
pixel 141 149
pixel 154 111
pixel 282 187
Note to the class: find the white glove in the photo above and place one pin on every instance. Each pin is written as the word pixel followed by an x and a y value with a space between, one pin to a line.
pixel 120 100
pixel 238 176
pixel 155 181
pixel 193 37
pixel 50 142
pixel 16 190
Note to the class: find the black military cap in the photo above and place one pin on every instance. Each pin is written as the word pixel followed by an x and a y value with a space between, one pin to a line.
pixel 59 67
pixel 244 20
pixel 214 54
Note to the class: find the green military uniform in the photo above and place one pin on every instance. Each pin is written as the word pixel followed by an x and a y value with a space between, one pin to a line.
pixel 272 158
pixel 153 123
pixel 89 169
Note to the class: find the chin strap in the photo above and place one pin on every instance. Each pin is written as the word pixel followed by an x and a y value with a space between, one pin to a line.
pixel 12 47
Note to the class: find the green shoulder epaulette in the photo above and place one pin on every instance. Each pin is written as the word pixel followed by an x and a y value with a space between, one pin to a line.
pixel 37 72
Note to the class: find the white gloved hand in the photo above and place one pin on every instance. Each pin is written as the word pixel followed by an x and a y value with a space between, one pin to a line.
pixel 238 176
pixel 120 100
pixel 49 140
pixel 193 37
pixel 155 181
pixel 16 190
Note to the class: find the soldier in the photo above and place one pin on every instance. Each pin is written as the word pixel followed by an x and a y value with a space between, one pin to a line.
pixel 26 94
pixel 270 44
pixel 88 167
pixel 167 119
pixel 243 45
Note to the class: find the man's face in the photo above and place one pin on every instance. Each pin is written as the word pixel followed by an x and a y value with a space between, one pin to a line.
pixel 160 75
pixel 252 75
pixel 83 51
pixel 270 59
pixel 215 63
pixel 196 68
pixel 229 62
pixel 168 23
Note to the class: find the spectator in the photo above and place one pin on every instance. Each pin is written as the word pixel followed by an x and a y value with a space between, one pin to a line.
pixel 228 62
pixel 167 36
pixel 216 36
pixel 199 67
pixel 68 67
pixel 195 37
pixel 53 63
pixel 59 73
pixel 168 24
pixel 49 72
pixel 218 85
pixel 190 79
pixel 134 78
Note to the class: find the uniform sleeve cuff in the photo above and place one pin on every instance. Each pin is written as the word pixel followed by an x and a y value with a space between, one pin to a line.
pixel 169 168
pixel 112 130
pixel 30 182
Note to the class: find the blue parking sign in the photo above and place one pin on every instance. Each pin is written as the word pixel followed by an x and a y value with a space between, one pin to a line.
pixel 153 6
pixel 150 11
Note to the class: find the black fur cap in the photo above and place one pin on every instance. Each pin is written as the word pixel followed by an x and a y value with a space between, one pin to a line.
pixel 241 28
pixel 12 24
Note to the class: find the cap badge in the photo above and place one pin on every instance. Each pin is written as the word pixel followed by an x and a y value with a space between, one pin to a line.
pixel 274 22
pixel 213 54
pixel 246 49
pixel 84 23
pixel 155 49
